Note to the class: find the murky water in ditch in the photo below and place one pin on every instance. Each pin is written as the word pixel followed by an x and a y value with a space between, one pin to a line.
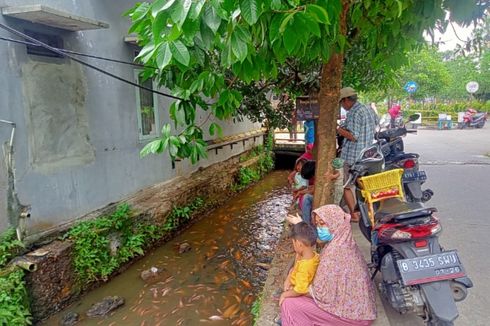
pixel 214 283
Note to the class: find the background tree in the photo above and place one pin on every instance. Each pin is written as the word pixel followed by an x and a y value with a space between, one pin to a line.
pixel 462 70
pixel 427 68
pixel 202 48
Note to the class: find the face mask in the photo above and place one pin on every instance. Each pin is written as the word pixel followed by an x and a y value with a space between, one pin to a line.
pixel 324 234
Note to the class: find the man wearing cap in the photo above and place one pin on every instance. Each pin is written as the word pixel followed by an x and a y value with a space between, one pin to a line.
pixel 358 131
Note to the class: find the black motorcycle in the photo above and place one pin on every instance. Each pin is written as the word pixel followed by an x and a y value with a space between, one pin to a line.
pixel 392 147
pixel 417 274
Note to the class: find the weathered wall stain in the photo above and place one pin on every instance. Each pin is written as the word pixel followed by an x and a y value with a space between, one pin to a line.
pixel 57 117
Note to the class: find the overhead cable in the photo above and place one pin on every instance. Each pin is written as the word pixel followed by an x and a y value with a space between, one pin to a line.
pixel 68 55
pixel 79 53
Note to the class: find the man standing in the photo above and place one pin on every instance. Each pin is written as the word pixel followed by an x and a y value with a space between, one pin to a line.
pixel 358 131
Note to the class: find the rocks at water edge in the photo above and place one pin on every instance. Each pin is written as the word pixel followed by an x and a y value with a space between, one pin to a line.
pixel 115 243
pixel 70 319
pixel 184 247
pixel 104 307
pixel 264 266
pixel 152 274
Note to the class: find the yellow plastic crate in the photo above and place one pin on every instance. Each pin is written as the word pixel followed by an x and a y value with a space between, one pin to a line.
pixel 381 186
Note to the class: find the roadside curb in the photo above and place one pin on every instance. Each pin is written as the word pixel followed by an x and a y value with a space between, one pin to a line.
pixel 269 309
pixel 364 245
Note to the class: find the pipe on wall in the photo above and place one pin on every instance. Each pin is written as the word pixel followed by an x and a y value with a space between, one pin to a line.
pixel 16 211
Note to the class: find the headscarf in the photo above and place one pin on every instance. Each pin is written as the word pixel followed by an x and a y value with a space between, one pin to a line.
pixel 342 285
pixel 308 155
pixel 394 111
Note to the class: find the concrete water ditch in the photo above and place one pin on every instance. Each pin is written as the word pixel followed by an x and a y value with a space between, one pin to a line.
pixel 54 284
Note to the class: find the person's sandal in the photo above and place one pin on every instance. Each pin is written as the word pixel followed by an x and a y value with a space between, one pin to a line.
pixel 278 321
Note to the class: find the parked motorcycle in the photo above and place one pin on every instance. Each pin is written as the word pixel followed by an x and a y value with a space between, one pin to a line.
pixel 417 274
pixel 473 118
pixel 385 122
pixel 392 147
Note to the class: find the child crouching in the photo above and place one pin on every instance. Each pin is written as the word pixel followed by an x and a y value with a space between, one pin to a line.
pixel 306 262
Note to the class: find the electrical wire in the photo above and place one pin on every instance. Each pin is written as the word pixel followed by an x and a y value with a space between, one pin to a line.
pixel 61 53
pixel 79 53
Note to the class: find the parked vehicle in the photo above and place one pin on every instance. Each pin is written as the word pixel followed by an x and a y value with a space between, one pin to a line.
pixel 417 274
pixel 473 118
pixel 392 147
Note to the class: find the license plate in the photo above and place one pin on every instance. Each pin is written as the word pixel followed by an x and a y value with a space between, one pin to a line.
pixel 425 269
pixel 410 176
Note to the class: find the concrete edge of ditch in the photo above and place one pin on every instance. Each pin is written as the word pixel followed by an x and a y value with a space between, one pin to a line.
pixel 269 309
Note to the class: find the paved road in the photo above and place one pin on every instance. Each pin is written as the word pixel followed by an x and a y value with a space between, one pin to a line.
pixel 457 163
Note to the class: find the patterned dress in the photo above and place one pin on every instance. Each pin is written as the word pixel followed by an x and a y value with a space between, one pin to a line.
pixel 342 290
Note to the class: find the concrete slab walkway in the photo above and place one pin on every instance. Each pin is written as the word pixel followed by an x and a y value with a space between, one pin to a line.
pixel 283 258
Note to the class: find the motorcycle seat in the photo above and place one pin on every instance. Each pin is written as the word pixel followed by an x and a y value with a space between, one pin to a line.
pixel 397 210
pixel 391 133
pixel 402 156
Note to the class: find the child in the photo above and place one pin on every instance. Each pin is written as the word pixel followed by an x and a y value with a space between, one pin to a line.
pixel 337 177
pixel 305 264
pixel 297 182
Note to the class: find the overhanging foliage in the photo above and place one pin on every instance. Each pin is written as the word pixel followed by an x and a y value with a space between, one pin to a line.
pixel 206 51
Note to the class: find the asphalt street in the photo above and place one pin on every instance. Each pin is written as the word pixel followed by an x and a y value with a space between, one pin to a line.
pixel 457 163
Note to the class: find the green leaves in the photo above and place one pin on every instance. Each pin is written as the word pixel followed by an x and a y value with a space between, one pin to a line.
pixel 92 256
pixel 140 12
pixel 164 55
pixel 180 11
pixel 14 303
pixel 285 22
pixel 146 52
pixel 215 128
pixel 160 5
pixel 179 52
pixel 239 47
pixel 318 13
pixel 9 245
pixel 266 44
pixel 250 10
pixel 153 147
pixel 211 18
pixel 157 146
pixel 290 42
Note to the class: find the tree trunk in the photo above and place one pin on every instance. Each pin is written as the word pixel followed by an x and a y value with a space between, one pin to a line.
pixel 328 98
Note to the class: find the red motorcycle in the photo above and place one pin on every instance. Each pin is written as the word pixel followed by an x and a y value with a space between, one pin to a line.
pixel 473 118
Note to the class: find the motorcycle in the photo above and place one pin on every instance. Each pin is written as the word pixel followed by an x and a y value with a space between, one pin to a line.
pixel 417 274
pixel 473 118
pixel 385 122
pixel 392 147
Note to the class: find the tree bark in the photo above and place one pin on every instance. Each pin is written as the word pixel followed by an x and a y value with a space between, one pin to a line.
pixel 328 98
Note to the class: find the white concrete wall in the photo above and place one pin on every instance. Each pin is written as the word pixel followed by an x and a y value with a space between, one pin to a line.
pixel 77 143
